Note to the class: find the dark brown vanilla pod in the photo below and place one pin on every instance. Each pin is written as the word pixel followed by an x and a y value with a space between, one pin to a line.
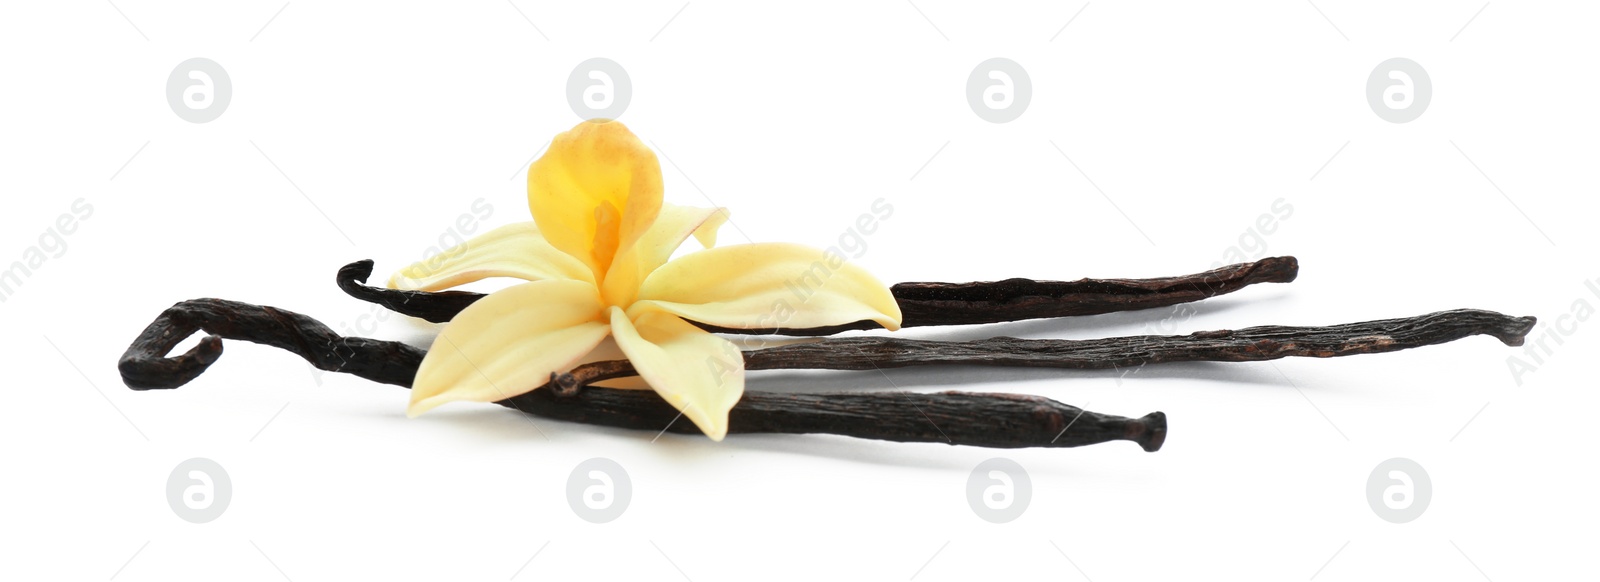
pixel 1006 421
pixel 984 420
pixel 144 366
pixel 434 306
pixel 1251 344
pixel 927 304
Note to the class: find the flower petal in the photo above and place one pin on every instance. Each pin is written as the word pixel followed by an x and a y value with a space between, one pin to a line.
pixel 671 228
pixel 595 191
pixel 767 285
pixel 706 233
pixel 508 343
pixel 514 250
pixel 697 372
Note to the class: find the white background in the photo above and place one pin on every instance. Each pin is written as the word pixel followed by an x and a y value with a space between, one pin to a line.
pixel 387 120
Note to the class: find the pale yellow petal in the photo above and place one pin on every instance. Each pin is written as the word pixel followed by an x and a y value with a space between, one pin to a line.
pixel 509 342
pixel 595 191
pixel 674 225
pixel 767 285
pixel 514 250
pixel 696 372
pixel 706 233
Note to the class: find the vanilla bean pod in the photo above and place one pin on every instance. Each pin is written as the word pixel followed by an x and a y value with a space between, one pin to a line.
pixel 986 420
pixel 1006 421
pixel 1249 344
pixel 923 304
pixel 145 365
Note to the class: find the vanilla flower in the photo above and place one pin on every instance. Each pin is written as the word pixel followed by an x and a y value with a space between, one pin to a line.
pixel 596 260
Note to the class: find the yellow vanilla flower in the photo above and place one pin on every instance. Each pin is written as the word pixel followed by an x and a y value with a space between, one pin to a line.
pixel 596 258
